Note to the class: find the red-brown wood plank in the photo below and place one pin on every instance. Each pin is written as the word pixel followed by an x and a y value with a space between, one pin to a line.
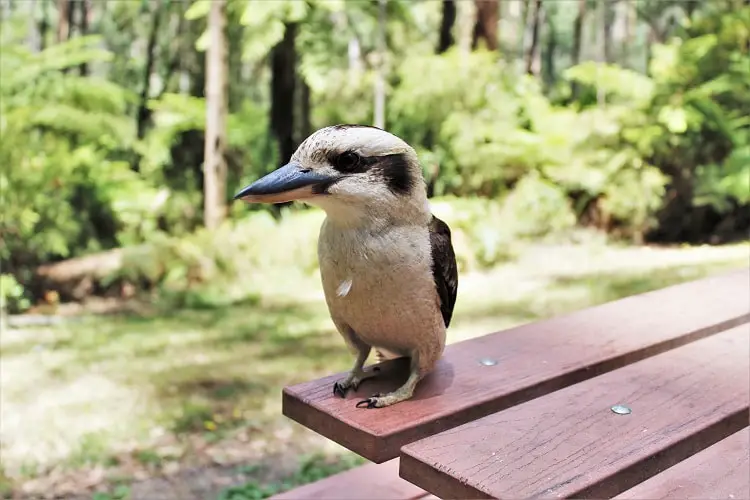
pixel 532 360
pixel 571 444
pixel 365 482
pixel 720 471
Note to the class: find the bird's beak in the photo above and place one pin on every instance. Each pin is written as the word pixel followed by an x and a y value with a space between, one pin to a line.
pixel 287 183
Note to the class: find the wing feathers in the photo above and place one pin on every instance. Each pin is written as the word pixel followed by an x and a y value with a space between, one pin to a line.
pixel 444 269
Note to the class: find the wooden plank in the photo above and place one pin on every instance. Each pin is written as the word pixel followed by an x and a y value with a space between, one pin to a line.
pixel 571 444
pixel 365 482
pixel 532 360
pixel 720 471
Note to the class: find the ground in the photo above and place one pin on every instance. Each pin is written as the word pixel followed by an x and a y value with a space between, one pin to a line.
pixel 155 405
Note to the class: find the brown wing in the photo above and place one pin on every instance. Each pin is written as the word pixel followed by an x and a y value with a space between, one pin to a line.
pixel 444 270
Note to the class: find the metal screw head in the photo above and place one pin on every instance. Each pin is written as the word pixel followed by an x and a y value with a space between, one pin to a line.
pixel 488 361
pixel 621 409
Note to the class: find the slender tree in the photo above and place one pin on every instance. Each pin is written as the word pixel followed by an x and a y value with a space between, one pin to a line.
pixel 601 37
pixel 486 24
pixel 63 22
pixel 214 166
pixel 575 55
pixel 144 114
pixel 532 66
pixel 628 38
pixel 44 25
pixel 447 22
pixel 284 91
pixel 608 16
pixel 33 32
pixel 84 20
pixel 550 52
pixel 379 90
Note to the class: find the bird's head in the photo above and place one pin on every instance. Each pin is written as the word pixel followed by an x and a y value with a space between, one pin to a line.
pixel 350 171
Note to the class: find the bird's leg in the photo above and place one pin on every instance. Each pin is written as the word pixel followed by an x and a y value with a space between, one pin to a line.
pixel 357 374
pixel 406 391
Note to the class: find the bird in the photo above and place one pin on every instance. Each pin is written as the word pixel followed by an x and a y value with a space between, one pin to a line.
pixel 387 263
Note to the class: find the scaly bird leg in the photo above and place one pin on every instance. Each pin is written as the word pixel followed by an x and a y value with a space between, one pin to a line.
pixel 358 373
pixel 403 393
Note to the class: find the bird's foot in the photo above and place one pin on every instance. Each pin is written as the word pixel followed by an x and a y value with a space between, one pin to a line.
pixel 403 393
pixel 381 401
pixel 341 387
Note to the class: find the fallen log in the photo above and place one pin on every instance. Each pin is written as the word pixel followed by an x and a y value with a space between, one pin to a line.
pixel 79 277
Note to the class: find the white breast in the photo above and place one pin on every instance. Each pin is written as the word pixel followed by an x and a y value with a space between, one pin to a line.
pixel 381 285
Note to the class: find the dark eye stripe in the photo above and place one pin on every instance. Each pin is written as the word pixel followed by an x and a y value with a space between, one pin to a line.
pixel 393 169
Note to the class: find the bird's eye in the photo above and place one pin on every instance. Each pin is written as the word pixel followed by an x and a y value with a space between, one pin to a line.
pixel 347 161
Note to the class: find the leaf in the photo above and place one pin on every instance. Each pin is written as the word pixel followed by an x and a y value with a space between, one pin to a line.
pixel 201 44
pixel 199 9
pixel 675 119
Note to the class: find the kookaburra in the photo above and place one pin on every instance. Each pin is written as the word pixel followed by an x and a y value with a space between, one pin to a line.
pixel 387 264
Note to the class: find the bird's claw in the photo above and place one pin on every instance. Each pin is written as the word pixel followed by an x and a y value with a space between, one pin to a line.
pixel 339 390
pixel 369 402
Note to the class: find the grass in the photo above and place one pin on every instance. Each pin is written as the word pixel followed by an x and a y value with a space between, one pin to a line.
pixel 153 393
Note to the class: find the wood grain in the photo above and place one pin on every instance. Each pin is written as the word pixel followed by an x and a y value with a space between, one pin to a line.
pixel 570 444
pixel 367 482
pixel 533 360
pixel 720 471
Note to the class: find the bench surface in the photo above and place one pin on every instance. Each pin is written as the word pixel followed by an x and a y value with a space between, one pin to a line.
pixel 720 471
pixel 571 444
pixel 526 411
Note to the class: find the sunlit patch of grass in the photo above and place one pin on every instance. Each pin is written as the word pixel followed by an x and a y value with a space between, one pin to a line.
pixel 130 377
pixel 92 449
pixel 549 280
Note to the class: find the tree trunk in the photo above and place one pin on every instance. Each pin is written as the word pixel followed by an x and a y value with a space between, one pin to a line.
pixel 549 56
pixel 283 91
pixel 607 19
pixel 63 24
pixel 33 32
pixel 531 57
pixel 44 25
pixel 379 89
pixel 447 22
pixel 77 278
pixel 85 19
pixel 628 38
pixel 601 37
pixel 144 114
pixel 577 36
pixel 214 164
pixel 486 24
pixel 71 21
pixel 172 71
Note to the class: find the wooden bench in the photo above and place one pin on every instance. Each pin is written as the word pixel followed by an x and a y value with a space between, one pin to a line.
pixel 644 397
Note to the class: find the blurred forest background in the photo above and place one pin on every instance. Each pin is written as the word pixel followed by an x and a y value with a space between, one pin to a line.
pixel 580 150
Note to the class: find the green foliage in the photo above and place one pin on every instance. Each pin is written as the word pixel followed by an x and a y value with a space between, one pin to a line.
pixel 12 296
pixel 80 179
pixel 492 133
pixel 705 93
pixel 684 132
pixel 209 268
pixel 67 191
